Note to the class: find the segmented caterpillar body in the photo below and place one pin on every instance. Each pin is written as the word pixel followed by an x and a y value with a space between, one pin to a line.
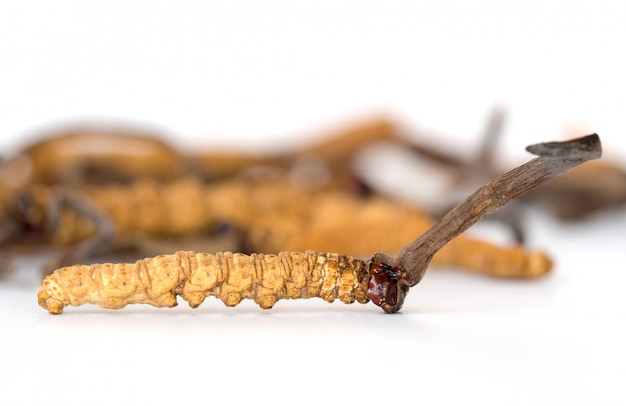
pixel 231 277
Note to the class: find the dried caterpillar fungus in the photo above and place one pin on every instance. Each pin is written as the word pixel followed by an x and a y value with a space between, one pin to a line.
pixel 278 217
pixel 385 280
pixel 228 276
pixel 386 226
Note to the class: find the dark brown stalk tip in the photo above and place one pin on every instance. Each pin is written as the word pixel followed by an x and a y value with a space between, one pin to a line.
pixel 588 147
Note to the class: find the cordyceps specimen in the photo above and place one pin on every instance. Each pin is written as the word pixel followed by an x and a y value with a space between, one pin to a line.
pixel 263 215
pixel 114 157
pixel 92 155
pixel 385 280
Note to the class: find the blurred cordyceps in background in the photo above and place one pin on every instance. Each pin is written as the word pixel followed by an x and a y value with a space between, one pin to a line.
pixel 89 191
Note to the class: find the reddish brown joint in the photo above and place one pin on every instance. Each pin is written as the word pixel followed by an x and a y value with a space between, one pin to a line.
pixel 387 286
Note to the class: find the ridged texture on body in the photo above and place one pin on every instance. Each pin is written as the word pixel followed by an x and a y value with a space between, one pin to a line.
pixel 194 276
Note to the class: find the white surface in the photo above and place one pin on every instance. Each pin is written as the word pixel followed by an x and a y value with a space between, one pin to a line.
pixel 248 73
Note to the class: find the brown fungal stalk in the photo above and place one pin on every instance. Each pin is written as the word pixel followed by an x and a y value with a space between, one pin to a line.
pixel 268 278
pixel 407 267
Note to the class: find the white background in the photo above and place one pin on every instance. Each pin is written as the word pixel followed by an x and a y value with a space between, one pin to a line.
pixel 267 74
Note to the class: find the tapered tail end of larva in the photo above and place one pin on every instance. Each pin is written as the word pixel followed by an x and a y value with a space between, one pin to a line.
pixel 47 299
pixel 539 265
pixel 584 148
